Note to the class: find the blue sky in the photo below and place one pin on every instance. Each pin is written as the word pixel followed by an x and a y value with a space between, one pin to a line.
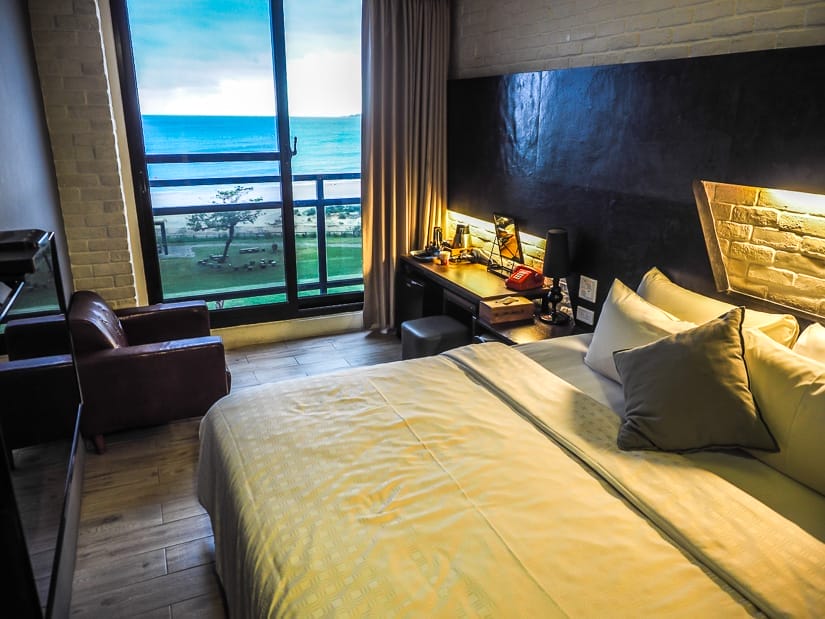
pixel 214 56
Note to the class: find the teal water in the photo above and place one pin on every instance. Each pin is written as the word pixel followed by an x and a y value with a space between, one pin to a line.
pixel 325 145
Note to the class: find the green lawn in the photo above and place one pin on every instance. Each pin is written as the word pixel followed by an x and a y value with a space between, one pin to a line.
pixel 188 269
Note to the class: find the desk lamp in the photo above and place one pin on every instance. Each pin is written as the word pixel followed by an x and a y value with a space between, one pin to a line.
pixel 556 266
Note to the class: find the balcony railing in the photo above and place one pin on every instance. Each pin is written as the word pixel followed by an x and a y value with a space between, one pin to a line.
pixel 311 191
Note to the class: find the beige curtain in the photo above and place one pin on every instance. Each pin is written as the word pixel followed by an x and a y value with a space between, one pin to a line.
pixel 405 57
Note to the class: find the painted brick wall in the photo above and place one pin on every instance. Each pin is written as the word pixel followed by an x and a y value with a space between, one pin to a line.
pixel 493 37
pixel 772 243
pixel 482 235
pixel 70 61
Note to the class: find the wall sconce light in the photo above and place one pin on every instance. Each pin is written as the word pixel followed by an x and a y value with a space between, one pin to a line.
pixel 556 266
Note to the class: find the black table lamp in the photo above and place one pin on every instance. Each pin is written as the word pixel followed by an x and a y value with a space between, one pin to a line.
pixel 556 266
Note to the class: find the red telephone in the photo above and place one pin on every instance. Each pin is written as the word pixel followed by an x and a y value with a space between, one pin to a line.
pixel 524 278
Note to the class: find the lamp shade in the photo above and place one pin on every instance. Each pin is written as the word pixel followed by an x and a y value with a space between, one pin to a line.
pixel 556 254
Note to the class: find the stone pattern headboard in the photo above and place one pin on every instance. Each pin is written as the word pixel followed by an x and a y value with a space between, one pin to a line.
pixel 611 153
pixel 766 243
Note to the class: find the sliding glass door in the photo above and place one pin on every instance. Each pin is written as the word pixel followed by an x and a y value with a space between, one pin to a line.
pixel 323 52
pixel 260 218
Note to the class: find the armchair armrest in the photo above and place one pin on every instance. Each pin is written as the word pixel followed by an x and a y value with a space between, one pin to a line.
pixel 150 384
pixel 41 336
pixel 164 321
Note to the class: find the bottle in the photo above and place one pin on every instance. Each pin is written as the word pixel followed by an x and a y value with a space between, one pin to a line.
pixel 437 239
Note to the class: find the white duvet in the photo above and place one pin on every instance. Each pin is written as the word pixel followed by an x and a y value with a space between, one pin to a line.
pixel 478 484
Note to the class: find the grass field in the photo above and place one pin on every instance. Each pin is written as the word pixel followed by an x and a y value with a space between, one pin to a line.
pixel 191 267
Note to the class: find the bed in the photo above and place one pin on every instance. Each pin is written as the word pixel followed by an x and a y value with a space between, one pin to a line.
pixel 487 481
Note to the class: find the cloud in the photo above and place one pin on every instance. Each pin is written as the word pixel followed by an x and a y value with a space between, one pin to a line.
pixel 203 57
pixel 325 83
pixel 320 84
pixel 223 97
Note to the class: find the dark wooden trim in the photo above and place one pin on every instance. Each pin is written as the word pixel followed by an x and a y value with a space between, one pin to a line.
pixel 137 148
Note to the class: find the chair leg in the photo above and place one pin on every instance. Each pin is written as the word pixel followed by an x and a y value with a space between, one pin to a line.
pixel 100 443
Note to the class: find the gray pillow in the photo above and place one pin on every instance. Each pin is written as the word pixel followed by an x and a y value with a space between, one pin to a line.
pixel 689 391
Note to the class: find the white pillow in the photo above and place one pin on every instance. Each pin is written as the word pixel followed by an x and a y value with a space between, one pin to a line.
pixel 627 321
pixel 685 304
pixel 811 342
pixel 789 390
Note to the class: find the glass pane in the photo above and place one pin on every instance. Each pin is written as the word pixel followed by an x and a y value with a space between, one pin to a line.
pixel 343 229
pixel 206 91
pixel 203 58
pixel 323 53
pixel 306 250
pixel 198 257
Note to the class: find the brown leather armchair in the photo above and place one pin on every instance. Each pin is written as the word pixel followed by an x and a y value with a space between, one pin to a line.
pixel 144 366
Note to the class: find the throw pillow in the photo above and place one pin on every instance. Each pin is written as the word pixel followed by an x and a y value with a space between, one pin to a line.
pixel 689 391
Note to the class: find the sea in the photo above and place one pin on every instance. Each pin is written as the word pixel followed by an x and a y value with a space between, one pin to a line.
pixel 326 145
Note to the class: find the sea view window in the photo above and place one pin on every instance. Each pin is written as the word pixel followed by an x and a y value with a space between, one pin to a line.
pixel 245 139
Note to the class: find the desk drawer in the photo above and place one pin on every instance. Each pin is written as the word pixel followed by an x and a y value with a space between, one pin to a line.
pixel 465 304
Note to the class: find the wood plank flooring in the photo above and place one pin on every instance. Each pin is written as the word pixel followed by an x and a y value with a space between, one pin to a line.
pixel 145 545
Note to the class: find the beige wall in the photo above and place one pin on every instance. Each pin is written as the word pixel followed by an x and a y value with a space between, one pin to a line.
pixel 493 37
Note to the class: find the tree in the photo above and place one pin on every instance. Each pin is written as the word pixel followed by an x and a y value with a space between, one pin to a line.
pixel 225 220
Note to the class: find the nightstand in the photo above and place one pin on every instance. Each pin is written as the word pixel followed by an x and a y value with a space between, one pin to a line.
pixel 427 289
pixel 521 332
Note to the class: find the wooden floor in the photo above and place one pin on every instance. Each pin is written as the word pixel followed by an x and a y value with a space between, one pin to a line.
pixel 145 546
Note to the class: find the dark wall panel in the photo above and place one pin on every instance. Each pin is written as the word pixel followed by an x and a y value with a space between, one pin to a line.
pixel 610 152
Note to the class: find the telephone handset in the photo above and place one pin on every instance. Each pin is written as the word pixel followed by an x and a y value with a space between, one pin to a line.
pixel 524 278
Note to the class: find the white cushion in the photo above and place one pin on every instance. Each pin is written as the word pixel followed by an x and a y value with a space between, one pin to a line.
pixel 685 304
pixel 789 390
pixel 811 342
pixel 627 321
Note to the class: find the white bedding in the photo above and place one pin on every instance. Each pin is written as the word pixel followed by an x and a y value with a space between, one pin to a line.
pixel 412 489
pixel 564 357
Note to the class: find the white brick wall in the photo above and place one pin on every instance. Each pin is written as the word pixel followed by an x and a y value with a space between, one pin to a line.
pixel 772 243
pixel 493 37
pixel 482 234
pixel 70 61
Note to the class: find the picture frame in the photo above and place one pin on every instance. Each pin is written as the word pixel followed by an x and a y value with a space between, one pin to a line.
pixel 506 244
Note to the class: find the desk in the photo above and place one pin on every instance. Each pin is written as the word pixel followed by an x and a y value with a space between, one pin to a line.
pixel 456 289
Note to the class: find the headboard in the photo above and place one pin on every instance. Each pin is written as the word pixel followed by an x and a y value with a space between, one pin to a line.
pixel 611 152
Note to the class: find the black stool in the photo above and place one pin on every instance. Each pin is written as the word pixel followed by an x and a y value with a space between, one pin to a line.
pixel 431 335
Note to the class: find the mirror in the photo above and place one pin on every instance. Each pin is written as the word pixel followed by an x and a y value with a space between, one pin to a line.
pixel 507 244
pixel 41 461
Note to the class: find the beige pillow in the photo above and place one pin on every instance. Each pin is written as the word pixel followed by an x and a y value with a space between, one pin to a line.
pixel 689 391
pixel 811 342
pixel 790 392
pixel 685 304
pixel 627 320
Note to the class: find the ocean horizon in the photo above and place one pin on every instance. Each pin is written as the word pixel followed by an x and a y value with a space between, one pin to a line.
pixel 326 145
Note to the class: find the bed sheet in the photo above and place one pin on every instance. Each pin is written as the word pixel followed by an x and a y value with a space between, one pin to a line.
pixel 430 488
